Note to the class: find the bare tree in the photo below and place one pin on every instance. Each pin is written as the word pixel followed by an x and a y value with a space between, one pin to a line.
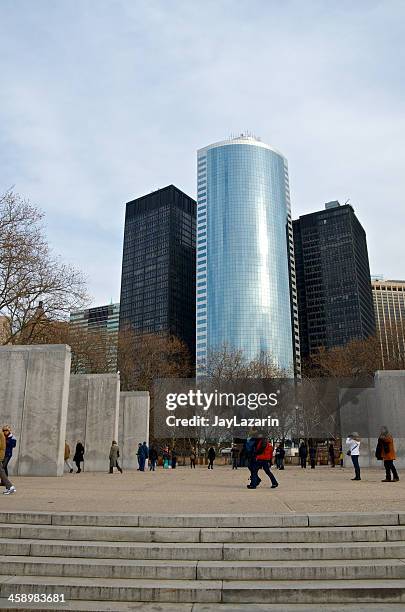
pixel 143 358
pixel 357 358
pixel 93 351
pixel 35 285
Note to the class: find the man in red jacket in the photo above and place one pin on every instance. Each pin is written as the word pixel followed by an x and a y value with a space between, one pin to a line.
pixel 263 455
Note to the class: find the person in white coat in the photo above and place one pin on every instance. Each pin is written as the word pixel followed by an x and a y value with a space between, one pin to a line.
pixel 353 442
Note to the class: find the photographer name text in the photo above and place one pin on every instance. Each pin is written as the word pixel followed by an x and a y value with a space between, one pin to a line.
pixel 203 421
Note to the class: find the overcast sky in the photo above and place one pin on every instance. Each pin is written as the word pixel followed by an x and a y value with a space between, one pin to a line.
pixel 102 101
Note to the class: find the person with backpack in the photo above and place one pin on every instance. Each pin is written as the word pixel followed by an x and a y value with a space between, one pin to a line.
pixel 11 443
pixel 5 482
pixel 261 460
pixel 385 451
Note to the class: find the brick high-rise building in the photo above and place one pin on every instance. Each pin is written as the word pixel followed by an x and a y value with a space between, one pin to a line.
pixel 389 308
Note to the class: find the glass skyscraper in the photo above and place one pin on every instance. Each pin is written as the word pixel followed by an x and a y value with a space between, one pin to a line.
pixel 246 294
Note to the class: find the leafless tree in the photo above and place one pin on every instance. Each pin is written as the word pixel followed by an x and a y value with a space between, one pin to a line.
pixel 357 358
pixel 35 285
pixel 144 358
pixel 94 351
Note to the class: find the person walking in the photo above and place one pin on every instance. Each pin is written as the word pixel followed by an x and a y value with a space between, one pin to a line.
pixel 211 457
pixel 312 456
pixel 174 459
pixel 11 443
pixel 386 452
pixel 193 457
pixel 353 441
pixel 5 482
pixel 166 458
pixel 67 457
pixel 303 453
pixel 331 453
pixel 261 459
pixel 78 457
pixel 234 456
pixel 145 454
pixel 242 457
pixel 153 457
pixel 139 456
pixel 280 455
pixel 114 456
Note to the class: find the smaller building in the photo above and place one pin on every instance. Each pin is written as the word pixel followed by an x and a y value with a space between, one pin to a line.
pixel 103 322
pixel 389 309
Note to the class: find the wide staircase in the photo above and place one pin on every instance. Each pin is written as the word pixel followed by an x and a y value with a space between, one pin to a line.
pixel 203 563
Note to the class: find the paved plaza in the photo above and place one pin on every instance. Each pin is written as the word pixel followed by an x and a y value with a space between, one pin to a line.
pixel 204 491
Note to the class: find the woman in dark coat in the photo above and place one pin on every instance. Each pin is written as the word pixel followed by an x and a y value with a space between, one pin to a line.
pixel 79 456
pixel 303 453
pixel 211 457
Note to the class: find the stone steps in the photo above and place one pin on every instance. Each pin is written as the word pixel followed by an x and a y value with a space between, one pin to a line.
pixel 104 606
pixel 112 550
pixel 209 535
pixel 340 519
pixel 207 591
pixel 204 563
pixel 369 569
pixel 203 551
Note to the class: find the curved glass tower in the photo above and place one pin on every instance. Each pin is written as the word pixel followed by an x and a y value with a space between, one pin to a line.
pixel 244 252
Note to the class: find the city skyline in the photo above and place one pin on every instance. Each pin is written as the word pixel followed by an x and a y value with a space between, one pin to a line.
pixel 103 102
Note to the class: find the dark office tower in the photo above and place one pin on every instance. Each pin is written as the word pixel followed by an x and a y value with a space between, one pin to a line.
pixel 158 265
pixel 335 303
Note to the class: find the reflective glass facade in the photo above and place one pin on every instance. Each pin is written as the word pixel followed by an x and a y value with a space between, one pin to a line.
pixel 243 282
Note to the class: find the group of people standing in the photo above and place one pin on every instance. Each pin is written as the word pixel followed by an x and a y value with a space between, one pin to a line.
pixel 311 451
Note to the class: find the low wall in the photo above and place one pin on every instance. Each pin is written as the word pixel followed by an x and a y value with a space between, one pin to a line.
pixel 93 413
pixel 133 425
pixel 34 386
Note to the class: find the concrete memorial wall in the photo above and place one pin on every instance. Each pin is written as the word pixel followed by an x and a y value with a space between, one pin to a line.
pixel 133 425
pixel 93 414
pixel 367 410
pixel 34 388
